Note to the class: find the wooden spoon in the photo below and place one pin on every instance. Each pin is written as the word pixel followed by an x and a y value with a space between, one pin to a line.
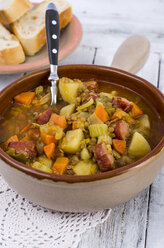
pixel 132 54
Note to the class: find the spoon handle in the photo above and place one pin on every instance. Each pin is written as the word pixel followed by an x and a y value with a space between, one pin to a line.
pixel 53 33
pixel 132 54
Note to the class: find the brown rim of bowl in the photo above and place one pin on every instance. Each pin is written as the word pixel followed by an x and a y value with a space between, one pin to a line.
pixel 76 179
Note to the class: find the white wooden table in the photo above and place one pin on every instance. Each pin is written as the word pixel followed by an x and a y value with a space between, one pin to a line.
pixel 138 223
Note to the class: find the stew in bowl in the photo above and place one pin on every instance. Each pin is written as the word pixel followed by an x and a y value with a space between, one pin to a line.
pixel 82 180
pixel 91 130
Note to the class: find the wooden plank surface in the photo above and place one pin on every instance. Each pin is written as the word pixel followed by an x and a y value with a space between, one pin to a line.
pixel 125 227
pixel 161 83
pixel 155 230
pixel 118 19
pixel 106 23
pixel 78 56
pixel 7 79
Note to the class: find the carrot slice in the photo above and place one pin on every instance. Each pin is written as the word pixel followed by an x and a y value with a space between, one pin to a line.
pixel 25 128
pixel 119 114
pixel 59 120
pixel 47 138
pixel 25 98
pixel 60 165
pixel 119 146
pixel 11 139
pixel 136 111
pixel 25 139
pixel 49 150
pixel 101 113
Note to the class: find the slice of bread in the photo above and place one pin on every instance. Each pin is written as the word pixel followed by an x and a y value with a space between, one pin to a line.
pixel 30 28
pixel 11 51
pixel 11 10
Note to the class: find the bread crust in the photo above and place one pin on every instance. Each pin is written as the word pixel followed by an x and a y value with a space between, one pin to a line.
pixel 65 17
pixel 15 11
pixel 12 56
pixel 34 44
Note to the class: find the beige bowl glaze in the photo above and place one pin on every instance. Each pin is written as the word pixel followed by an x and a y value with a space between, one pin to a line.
pixel 85 193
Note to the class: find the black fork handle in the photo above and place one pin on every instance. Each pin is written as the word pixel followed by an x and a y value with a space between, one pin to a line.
pixel 53 33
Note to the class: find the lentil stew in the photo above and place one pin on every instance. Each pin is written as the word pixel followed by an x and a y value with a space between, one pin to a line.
pixel 89 131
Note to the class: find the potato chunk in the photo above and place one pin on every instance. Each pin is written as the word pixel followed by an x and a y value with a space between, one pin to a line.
pixel 139 146
pixel 93 119
pixel 144 122
pixel 85 154
pixel 40 166
pixel 67 110
pixel 68 89
pixel 85 168
pixel 72 140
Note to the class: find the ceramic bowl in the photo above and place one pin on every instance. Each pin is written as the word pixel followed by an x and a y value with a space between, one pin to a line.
pixel 94 192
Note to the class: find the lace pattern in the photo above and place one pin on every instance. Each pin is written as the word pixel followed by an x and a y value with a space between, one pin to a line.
pixel 24 224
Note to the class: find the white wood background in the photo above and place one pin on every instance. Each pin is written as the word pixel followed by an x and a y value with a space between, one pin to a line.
pixel 138 223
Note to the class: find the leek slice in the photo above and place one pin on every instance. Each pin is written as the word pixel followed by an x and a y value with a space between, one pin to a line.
pixel 105 138
pixel 97 130
pixel 67 110
pixel 85 105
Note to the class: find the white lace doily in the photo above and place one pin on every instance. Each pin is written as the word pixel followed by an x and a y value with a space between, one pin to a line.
pixel 23 224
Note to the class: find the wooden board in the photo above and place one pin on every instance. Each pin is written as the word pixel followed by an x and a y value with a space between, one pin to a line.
pixel 106 23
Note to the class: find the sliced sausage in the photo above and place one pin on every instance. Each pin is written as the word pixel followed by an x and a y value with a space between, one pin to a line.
pixel 100 150
pixel 24 147
pixel 121 130
pixel 44 117
pixel 104 160
pixel 91 85
pixel 122 103
pixel 34 133
pixel 92 95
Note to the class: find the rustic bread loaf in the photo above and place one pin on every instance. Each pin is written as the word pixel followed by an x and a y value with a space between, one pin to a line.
pixel 30 28
pixel 11 51
pixel 11 10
